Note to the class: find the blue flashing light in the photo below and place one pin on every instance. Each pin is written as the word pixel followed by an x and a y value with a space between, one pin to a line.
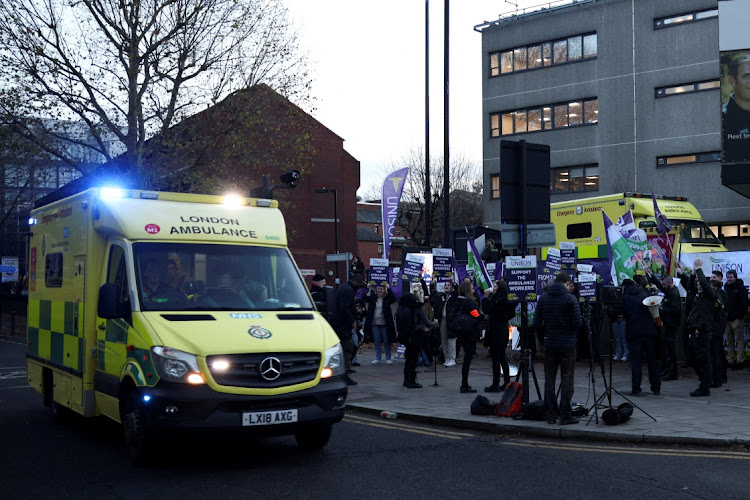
pixel 146 398
pixel 32 221
pixel 112 192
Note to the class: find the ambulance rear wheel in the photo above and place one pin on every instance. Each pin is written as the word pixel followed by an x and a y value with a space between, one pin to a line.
pixel 138 439
pixel 314 438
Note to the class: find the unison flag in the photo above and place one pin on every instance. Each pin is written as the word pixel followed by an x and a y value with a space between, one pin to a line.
pixel 662 223
pixel 393 186
pixel 626 224
pixel 621 255
pixel 481 276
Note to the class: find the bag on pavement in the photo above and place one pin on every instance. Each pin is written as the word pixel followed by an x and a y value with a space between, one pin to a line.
pixel 482 406
pixel 511 403
pixel 534 410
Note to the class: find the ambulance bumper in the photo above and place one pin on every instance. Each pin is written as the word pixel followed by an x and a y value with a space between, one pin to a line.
pixel 172 406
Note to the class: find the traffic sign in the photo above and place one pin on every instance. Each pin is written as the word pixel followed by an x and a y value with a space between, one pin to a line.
pixel 537 235
pixel 338 257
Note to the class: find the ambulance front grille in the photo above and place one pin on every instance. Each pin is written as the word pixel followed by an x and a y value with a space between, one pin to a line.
pixel 280 369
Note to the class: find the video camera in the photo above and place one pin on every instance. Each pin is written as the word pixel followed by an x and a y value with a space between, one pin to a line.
pixel 611 295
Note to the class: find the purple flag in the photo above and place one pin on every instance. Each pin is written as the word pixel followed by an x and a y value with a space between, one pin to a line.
pixel 393 186
pixel 662 223
pixel 626 224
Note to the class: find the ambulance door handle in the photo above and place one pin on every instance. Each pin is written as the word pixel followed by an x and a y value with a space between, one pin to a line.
pixel 102 327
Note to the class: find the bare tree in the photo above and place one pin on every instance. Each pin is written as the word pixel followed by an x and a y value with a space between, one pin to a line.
pixel 466 189
pixel 102 76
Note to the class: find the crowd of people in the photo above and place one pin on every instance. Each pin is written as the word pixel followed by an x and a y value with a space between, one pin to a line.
pixel 435 326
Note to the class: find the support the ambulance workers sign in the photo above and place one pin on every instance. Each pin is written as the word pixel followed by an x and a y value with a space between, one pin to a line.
pixel 520 274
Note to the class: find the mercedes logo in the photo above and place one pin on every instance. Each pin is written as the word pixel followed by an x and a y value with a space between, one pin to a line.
pixel 270 369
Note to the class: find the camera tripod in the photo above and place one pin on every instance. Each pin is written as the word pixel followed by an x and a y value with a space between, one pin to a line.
pixel 608 388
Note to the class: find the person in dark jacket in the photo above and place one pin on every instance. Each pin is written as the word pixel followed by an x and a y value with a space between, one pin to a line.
pixel 495 304
pixel 718 358
pixel 437 302
pixel 700 303
pixel 641 333
pixel 412 323
pixel 737 306
pixel 345 320
pixel 467 340
pixel 559 315
pixel 379 321
pixel 670 312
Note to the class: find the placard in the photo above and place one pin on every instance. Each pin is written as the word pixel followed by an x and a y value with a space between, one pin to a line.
pixel 378 273
pixel 568 257
pixel 520 274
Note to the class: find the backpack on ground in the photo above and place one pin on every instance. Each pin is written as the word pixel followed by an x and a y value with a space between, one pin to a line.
pixel 482 406
pixel 511 403
pixel 534 410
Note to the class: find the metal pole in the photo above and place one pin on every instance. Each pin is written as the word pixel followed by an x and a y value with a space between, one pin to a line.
pixel 525 346
pixel 427 194
pixel 336 229
pixel 446 170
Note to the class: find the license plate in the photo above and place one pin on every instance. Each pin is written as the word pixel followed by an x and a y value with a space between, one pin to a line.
pixel 269 417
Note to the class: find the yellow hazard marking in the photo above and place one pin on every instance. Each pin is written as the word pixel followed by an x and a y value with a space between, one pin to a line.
pixel 389 424
pixel 629 450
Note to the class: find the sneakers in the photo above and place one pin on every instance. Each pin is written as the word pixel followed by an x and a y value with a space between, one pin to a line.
pixel 388 362
pixel 375 362
pixel 616 357
pixel 349 381
pixel 624 358
pixel 700 393
pixel 467 388
pixel 551 419
pixel 493 388
pixel 450 362
pixel 568 420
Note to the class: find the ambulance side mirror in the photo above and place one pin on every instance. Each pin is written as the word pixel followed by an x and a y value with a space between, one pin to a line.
pixel 109 306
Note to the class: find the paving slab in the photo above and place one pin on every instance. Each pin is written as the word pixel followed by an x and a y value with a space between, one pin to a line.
pixel 721 419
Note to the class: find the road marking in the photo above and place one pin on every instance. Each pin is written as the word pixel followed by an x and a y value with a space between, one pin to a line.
pixel 12 368
pixel 10 342
pixel 735 455
pixel 406 428
pixel 16 387
pixel 7 376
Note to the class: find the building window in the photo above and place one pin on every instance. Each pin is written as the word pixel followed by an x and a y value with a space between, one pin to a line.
pixel 544 54
pixel 688 17
pixel 687 88
pixel 575 179
pixel 566 114
pixel 376 229
pixel 688 159
pixel 495 186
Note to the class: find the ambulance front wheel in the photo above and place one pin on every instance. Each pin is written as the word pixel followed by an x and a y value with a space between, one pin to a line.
pixel 314 438
pixel 138 439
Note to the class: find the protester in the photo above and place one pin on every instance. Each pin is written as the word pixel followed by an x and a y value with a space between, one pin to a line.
pixel 670 312
pixel 700 303
pixel 425 351
pixel 437 302
pixel 467 340
pixel 356 266
pixel 412 323
pixel 558 314
pixel 718 358
pixel 490 253
pixel 500 311
pixel 737 306
pixel 448 336
pixel 641 334
pixel 379 322
pixel 617 317
pixel 317 290
pixel 344 319
pixel 357 335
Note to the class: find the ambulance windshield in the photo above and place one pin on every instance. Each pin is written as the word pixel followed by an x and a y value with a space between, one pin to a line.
pixel 696 232
pixel 211 277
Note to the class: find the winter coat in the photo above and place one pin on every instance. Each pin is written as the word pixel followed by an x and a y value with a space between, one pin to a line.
pixel 408 304
pixel 371 300
pixel 344 314
pixel 638 320
pixel 671 307
pixel 496 307
pixel 437 301
pixel 559 315
pixel 452 307
pixel 720 313
pixel 701 315
pixel 737 300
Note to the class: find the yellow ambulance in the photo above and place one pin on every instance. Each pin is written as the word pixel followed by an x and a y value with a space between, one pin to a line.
pixel 171 312
pixel 581 221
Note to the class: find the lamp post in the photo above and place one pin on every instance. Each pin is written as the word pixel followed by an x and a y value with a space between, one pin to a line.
pixel 335 222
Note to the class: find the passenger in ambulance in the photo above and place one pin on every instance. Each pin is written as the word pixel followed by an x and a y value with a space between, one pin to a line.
pixel 156 291
pixel 175 277
pixel 226 294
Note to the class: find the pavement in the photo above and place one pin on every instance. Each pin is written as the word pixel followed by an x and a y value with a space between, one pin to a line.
pixel 721 419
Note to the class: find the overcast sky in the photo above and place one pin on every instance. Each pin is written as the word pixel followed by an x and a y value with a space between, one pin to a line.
pixel 367 62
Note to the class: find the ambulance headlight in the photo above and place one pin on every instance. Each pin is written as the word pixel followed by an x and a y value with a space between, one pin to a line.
pixel 176 366
pixel 333 362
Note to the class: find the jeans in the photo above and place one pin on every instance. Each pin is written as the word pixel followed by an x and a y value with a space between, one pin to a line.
pixel 565 359
pixel 380 336
pixel 637 346
pixel 621 344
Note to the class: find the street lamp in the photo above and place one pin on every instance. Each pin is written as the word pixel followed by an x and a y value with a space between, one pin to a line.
pixel 335 222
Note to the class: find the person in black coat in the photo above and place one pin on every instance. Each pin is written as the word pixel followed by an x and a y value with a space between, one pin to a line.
pixel 345 320
pixel 559 316
pixel 497 307
pixel 737 307
pixel 379 324
pixel 412 323
pixel 640 331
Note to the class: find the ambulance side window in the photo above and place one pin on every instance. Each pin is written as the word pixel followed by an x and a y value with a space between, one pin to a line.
pixel 117 272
